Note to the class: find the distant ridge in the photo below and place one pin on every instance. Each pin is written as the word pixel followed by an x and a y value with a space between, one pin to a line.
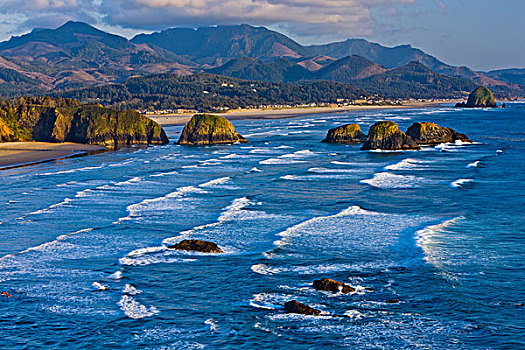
pixel 77 55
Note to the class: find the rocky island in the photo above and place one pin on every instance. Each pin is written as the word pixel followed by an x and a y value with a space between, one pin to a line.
pixel 349 133
pixel 385 135
pixel 432 134
pixel 208 129
pixel 481 97
pixel 65 120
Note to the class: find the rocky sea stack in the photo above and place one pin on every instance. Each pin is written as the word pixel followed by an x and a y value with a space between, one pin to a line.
pixel 349 133
pixel 329 285
pixel 432 134
pixel 64 120
pixel 481 97
pixel 196 245
pixel 385 135
pixel 208 129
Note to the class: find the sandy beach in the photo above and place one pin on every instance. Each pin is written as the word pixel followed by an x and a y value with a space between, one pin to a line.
pixel 16 154
pixel 181 119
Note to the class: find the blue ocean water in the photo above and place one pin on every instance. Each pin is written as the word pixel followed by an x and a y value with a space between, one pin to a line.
pixel 83 241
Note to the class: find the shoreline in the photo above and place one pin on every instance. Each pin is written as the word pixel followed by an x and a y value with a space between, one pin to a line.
pixel 286 113
pixel 21 154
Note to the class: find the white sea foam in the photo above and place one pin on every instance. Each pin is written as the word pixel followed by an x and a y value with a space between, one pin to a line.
pixel 116 275
pixel 473 165
pixel 131 290
pixel 229 213
pixel 73 170
pixel 430 236
pixel 134 210
pixel 263 269
pixel 289 158
pixel 291 231
pixel 408 164
pixel 100 287
pixel 386 180
pixel 328 170
pixel 134 309
pixel 460 182
pixel 255 170
pixel 212 324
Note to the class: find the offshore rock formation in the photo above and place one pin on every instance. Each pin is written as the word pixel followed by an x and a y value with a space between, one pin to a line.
pixel 349 133
pixel 432 134
pixel 329 285
pixel 385 135
pixel 295 307
pixel 197 246
pixel 481 97
pixel 64 120
pixel 208 129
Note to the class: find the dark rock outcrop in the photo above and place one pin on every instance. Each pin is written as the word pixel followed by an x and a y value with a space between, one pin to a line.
pixel 349 133
pixel 385 135
pixel 392 301
pixel 432 134
pixel 208 129
pixel 197 246
pixel 481 97
pixel 295 307
pixel 49 120
pixel 329 285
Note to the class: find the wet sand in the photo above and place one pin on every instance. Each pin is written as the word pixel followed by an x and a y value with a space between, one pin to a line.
pixel 16 154
pixel 181 119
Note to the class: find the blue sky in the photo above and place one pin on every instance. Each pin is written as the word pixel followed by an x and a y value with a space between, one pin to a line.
pixel 481 34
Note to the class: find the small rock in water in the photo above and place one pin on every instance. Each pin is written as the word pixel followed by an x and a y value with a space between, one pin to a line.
pixel 368 289
pixel 295 307
pixel 392 301
pixel 6 294
pixel 329 285
pixel 197 246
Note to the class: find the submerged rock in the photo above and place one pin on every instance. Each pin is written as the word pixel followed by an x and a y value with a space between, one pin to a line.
pixel 208 129
pixel 329 285
pixel 432 134
pixel 385 135
pixel 197 246
pixel 481 97
pixel 349 133
pixel 295 307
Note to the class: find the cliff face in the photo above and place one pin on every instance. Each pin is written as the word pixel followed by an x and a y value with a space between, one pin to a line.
pixel 385 135
pixel 207 129
pixel 75 123
pixel 350 133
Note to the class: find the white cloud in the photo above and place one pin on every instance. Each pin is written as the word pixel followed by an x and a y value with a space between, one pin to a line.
pixel 299 17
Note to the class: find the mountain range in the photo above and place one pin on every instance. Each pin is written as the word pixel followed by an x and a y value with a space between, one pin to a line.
pixel 77 55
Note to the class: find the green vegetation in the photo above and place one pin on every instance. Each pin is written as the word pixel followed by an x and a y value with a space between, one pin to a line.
pixel 207 129
pixel 61 120
pixel 209 93
pixel 349 133
pixel 481 97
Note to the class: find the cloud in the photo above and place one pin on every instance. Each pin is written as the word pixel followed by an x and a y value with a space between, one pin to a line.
pixel 305 17
pixel 48 13
pixel 299 17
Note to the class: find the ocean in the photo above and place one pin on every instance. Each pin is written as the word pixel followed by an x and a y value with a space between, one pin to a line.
pixel 83 241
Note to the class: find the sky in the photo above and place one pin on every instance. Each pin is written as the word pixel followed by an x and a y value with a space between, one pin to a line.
pixel 481 34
